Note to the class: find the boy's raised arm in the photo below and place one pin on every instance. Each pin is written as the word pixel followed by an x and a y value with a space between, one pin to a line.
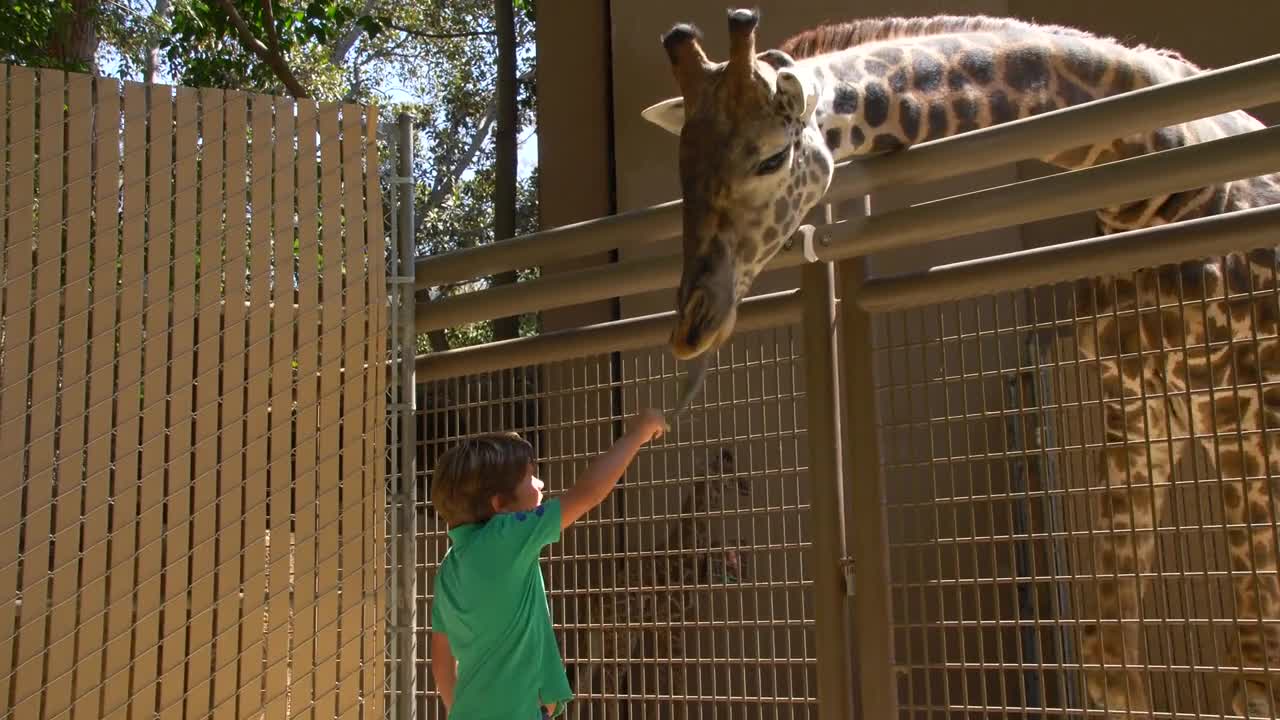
pixel 602 475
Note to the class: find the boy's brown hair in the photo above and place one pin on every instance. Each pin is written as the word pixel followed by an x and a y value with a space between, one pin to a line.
pixel 469 474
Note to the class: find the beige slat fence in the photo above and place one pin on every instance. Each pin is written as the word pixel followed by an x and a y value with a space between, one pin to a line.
pixel 191 346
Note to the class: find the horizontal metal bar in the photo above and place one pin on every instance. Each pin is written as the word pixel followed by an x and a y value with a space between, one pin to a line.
pixel 1244 85
pixel 756 313
pixel 1185 168
pixel 1108 254
pixel 568 241
pixel 630 277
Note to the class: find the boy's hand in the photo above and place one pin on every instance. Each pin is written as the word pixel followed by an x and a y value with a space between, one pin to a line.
pixel 649 425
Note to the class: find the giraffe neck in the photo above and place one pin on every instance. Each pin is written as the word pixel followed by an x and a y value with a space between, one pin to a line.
pixel 888 94
pixel 891 94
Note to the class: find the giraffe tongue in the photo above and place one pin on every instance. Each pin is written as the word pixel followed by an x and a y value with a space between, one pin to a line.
pixel 692 383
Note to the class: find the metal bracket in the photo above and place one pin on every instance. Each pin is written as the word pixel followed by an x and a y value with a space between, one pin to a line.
pixel 401 179
pixel 401 279
pixel 807 233
pixel 850 577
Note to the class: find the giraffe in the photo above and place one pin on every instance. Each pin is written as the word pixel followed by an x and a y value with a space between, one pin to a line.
pixel 1184 351
pixel 662 592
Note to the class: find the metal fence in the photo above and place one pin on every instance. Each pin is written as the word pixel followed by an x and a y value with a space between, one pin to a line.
pixel 685 593
pixel 191 403
pixel 995 565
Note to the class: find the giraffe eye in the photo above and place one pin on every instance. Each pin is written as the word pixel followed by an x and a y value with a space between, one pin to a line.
pixel 773 162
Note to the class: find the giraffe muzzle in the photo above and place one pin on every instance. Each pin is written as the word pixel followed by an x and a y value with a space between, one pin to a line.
pixel 700 327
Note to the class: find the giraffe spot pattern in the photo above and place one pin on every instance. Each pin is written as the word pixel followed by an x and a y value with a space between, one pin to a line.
pixel 966 112
pixel 1026 68
pixel 857 137
pixel 781 210
pixel 845 101
pixel 909 118
pixel 956 80
pixel 1081 60
pixel 875 104
pixel 1271 398
pixel 938 120
pixel 1232 498
pixel 874 67
pixel 898 81
pixel 890 55
pixel 928 73
pixel 833 138
pixel 947 47
pixel 1001 109
pixel 979 64
pixel 886 142
pixel 1040 105
pixel 1071 93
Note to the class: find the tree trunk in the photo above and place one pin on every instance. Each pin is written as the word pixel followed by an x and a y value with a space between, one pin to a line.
pixel 504 202
pixel 73 40
pixel 153 52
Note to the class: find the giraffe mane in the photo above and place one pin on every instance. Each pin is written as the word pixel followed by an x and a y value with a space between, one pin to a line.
pixel 833 36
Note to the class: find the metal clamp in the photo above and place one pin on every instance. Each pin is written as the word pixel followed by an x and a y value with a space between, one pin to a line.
pixel 807 234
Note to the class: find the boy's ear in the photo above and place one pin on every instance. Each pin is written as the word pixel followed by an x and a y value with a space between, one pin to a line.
pixel 496 503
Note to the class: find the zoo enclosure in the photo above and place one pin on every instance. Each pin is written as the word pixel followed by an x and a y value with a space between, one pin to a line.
pixel 192 375
pixel 964 565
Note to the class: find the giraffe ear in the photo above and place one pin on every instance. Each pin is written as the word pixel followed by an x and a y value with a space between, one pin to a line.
pixel 668 115
pixel 776 59
pixel 797 93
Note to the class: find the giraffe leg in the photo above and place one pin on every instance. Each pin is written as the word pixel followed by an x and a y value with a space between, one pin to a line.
pixel 1137 460
pixel 1245 421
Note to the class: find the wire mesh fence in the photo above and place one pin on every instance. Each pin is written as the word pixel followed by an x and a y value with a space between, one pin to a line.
pixel 687 592
pixel 191 386
pixel 1079 491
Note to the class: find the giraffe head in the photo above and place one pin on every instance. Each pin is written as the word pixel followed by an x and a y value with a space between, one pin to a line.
pixel 752 163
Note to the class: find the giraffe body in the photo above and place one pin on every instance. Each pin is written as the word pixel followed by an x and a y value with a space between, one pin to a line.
pixel 1186 352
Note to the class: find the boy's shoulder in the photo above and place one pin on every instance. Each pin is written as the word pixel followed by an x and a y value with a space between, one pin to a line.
pixel 512 531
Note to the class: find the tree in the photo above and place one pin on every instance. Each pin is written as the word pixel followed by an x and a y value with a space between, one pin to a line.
pixel 59 34
pixel 434 59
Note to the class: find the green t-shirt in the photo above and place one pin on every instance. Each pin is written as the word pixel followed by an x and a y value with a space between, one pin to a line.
pixel 491 602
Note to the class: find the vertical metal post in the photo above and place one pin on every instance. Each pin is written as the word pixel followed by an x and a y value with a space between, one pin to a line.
pixel 406 492
pixel 872 613
pixel 819 319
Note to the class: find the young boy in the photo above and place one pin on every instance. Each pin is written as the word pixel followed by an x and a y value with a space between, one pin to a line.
pixel 493 653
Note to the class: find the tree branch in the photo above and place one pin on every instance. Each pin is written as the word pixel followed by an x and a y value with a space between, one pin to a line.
pixel 348 39
pixel 445 181
pixel 445 187
pixel 442 36
pixel 273 58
